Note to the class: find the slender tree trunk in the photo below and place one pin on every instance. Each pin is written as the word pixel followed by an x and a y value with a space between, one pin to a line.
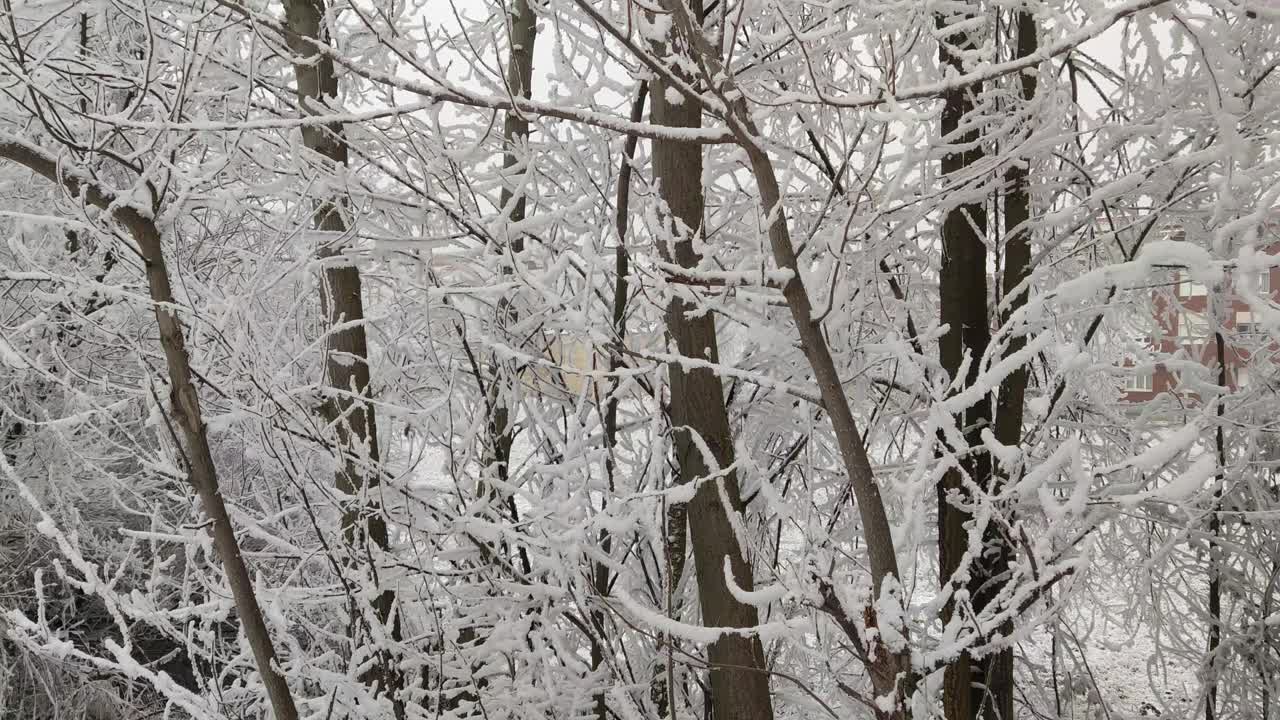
pixel 1215 526
pixel 739 685
pixel 341 300
pixel 186 408
pixel 523 29
pixel 1013 389
pixel 186 404
pixel 891 672
pixel 972 686
pixel 521 24
pixel 622 268
pixel 1017 253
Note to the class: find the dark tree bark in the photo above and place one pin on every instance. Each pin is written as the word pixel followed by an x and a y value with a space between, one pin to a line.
pixel 1017 252
pixel 739 685
pixel 963 291
pixel 891 673
pixel 600 575
pixel 1216 553
pixel 1013 389
pixel 973 687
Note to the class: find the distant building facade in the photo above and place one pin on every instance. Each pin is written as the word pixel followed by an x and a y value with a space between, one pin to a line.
pixel 1186 324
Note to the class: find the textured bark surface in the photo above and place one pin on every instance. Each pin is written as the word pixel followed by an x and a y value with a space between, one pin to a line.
pixel 890 669
pixel 521 25
pixel 341 300
pixel 739 685
pixel 1216 554
pixel 1017 253
pixel 1013 389
pixel 185 402
pixel 347 357
pixel 972 686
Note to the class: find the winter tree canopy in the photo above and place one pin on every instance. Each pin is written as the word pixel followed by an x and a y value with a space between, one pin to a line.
pixel 639 360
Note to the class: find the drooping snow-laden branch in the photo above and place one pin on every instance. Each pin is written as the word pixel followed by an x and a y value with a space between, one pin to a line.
pixel 440 90
pixel 1068 42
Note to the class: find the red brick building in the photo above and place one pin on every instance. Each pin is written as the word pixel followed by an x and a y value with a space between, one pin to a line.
pixel 1185 329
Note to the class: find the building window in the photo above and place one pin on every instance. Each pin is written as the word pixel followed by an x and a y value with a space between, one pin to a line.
pixel 1192 327
pixel 1190 288
pixel 1138 381
pixel 1242 377
pixel 1261 282
pixel 1244 322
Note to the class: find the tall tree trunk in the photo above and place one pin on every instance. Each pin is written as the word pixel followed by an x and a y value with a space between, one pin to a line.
pixel 521 24
pixel 347 348
pixel 185 402
pixel 523 30
pixel 1013 389
pixel 972 685
pixel 601 577
pixel 891 673
pixel 1216 551
pixel 739 685
pixel 1017 252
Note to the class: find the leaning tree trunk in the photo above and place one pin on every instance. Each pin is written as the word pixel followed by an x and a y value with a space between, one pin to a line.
pixel 891 672
pixel 186 406
pixel 347 348
pixel 185 400
pixel 1017 251
pixel 739 683
pixel 972 686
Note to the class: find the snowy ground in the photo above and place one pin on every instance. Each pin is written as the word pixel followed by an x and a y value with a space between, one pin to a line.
pixel 1119 675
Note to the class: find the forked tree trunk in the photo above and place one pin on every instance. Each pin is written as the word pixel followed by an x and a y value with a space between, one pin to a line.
pixel 890 669
pixel 347 348
pixel 739 685
pixel 185 402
